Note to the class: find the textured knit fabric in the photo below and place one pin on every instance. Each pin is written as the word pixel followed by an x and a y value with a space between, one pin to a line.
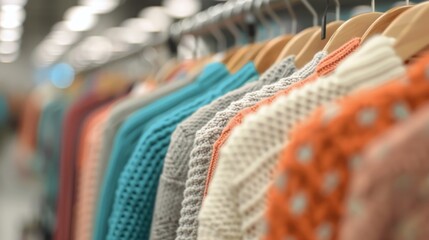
pixel 389 191
pixel 88 156
pixel 204 139
pixel 248 159
pixel 314 170
pixel 135 196
pixel 128 135
pixel 172 181
pixel 72 125
pixel 324 68
pixel 117 116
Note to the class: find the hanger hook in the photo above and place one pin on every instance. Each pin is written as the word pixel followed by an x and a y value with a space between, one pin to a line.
pixel 227 9
pixel 294 22
pixel 277 20
pixel 257 10
pixel 312 11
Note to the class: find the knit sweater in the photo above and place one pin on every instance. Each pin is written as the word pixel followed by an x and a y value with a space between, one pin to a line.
pixel 117 116
pixel 250 154
pixel 172 181
pixel 72 127
pixel 389 189
pixel 130 131
pixel 137 185
pixel 325 67
pixel 204 139
pixel 317 161
pixel 88 157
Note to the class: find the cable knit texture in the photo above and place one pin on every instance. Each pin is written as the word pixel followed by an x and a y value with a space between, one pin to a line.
pixel 129 132
pixel 247 160
pixel 172 181
pixel 389 191
pixel 204 139
pixel 307 200
pixel 135 196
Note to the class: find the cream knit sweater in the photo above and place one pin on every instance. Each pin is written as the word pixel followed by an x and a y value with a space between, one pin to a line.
pixel 199 158
pixel 235 204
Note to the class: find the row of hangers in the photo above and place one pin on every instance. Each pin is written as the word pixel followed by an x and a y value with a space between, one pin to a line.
pixel 407 24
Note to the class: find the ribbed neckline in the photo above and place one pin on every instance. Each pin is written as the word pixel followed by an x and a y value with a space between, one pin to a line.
pixel 376 57
pixel 329 63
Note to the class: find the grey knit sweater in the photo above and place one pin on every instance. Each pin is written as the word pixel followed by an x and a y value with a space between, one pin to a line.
pixel 207 136
pixel 172 181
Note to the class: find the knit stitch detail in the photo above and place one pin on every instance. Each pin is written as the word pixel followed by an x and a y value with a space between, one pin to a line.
pixel 204 139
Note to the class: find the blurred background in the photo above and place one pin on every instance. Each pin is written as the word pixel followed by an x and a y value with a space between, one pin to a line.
pixel 48 44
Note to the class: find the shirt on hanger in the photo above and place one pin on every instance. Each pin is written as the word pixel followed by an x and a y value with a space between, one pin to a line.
pixel 171 185
pixel 128 135
pixel 331 141
pixel 389 189
pixel 204 139
pixel 133 208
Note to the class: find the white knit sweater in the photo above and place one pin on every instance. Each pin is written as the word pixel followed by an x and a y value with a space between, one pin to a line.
pixel 235 204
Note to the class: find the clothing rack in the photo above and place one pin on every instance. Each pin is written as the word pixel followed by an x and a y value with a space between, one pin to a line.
pixel 217 16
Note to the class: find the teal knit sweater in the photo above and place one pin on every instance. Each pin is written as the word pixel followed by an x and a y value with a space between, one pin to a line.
pixel 136 192
pixel 130 132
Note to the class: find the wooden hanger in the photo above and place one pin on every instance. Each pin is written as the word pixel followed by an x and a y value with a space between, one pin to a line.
pixel 295 45
pixel 270 52
pixel 249 54
pixel 352 28
pixel 384 21
pixel 316 44
pixel 410 30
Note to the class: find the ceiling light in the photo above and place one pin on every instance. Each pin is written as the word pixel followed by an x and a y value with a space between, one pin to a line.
pixel 80 18
pixel 8 58
pixel 96 49
pixel 131 35
pixel 11 16
pixel 158 16
pixel 182 8
pixel 141 25
pixel 115 36
pixel 64 37
pixel 8 47
pixel 13 2
pixel 100 6
pixel 10 35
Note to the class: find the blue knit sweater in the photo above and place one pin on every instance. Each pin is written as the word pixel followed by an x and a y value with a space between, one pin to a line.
pixel 135 195
pixel 131 130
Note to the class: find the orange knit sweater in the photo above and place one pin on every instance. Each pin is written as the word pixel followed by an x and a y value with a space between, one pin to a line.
pixel 325 67
pixel 307 200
